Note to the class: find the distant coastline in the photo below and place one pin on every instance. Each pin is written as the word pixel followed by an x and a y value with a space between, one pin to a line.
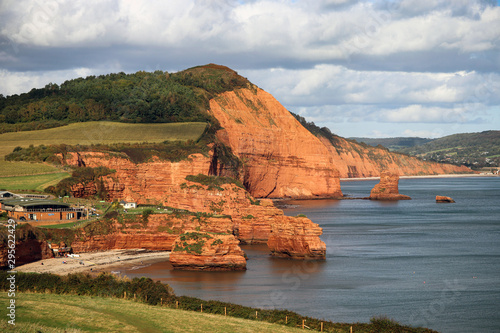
pixel 426 176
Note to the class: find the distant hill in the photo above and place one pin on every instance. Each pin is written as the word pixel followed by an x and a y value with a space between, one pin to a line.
pixel 393 144
pixel 475 150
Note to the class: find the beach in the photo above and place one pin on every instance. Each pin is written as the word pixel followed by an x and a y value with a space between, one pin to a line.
pixel 95 262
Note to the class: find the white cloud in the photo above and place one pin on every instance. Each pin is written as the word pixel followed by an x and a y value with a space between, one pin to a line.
pixel 432 61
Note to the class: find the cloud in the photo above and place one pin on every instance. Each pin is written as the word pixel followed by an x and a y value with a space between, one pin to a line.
pixel 350 60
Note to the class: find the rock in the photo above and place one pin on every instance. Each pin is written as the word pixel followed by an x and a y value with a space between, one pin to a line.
pixel 443 199
pixel 387 189
pixel 296 238
pixel 194 250
pixel 27 250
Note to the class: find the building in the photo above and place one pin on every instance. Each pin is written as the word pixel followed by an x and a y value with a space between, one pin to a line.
pixel 8 195
pixel 128 204
pixel 25 209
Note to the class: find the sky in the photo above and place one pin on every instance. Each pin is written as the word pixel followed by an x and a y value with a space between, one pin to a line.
pixel 362 68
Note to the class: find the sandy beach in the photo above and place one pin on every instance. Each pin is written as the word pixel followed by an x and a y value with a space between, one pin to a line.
pixel 95 262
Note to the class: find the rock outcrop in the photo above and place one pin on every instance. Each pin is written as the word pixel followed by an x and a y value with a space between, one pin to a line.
pixel 297 238
pixel 194 250
pixel 388 188
pixel 443 199
pixel 27 250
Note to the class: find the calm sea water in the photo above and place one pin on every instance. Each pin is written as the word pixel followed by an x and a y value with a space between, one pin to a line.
pixel 418 262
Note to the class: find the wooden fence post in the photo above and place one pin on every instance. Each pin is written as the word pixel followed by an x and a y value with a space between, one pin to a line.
pixel 201 307
pixel 303 323
pixel 225 311
pixel 321 326
pixel 255 314
pixel 350 330
pixel 286 319
pixel 125 294
pixel 176 304
pixel 135 296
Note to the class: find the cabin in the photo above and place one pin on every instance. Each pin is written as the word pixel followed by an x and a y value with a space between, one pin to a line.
pixel 27 209
pixel 128 204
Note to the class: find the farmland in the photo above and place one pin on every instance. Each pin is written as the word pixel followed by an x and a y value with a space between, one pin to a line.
pixel 34 176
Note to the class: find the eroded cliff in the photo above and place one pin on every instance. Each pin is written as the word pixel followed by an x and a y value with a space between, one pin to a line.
pixel 280 157
pixel 283 159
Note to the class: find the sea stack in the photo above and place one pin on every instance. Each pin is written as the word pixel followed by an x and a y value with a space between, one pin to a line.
pixel 387 189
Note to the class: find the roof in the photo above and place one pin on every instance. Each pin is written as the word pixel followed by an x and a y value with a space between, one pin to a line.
pixel 2 193
pixel 24 202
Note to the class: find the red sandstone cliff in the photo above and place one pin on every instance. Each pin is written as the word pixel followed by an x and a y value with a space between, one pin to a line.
pixel 283 159
pixel 194 250
pixel 387 188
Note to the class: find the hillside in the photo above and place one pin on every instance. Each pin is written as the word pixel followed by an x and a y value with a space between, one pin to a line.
pixel 393 144
pixel 142 97
pixel 475 150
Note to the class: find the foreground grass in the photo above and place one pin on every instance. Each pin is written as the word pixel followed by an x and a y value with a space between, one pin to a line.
pixel 70 313
pixel 32 182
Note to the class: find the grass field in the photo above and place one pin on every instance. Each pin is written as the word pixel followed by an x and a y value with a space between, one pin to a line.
pixel 71 313
pixel 33 182
pixel 104 132
pixel 88 133
pixel 24 168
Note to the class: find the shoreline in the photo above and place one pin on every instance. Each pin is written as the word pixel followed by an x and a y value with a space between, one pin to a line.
pixel 95 262
pixel 426 176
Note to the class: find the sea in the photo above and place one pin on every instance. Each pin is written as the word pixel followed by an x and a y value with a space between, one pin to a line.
pixel 419 262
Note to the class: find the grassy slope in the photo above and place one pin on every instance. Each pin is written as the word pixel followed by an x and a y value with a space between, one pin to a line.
pixel 32 182
pixel 83 134
pixel 68 313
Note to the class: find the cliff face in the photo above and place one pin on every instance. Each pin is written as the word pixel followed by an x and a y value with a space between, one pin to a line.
pixel 354 160
pixel 27 251
pixel 281 158
pixel 207 252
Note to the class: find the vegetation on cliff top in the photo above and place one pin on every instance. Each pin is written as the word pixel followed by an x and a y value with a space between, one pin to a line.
pixel 142 97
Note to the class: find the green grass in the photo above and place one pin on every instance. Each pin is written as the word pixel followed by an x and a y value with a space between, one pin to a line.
pixel 65 225
pixel 71 313
pixel 33 182
pixel 24 168
pixel 104 132
pixel 87 133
